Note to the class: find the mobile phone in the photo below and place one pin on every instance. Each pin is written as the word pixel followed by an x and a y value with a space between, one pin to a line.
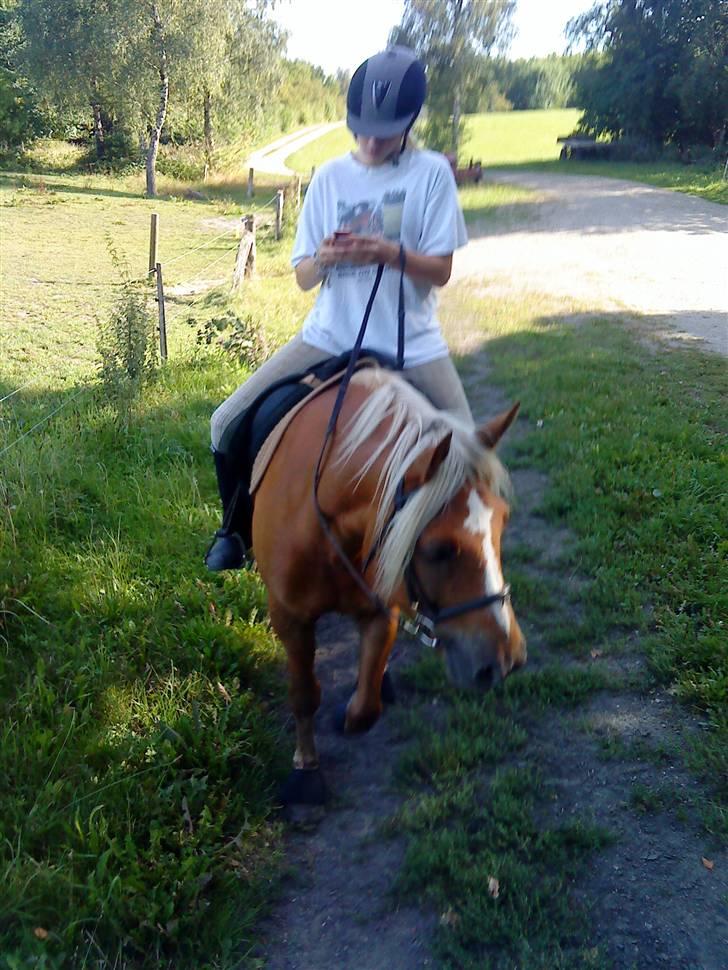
pixel 342 235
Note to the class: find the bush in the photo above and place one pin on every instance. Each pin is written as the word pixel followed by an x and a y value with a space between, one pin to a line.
pixel 126 347
pixel 243 338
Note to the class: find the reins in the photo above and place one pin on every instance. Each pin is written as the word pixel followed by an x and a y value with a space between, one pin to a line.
pixel 331 428
pixel 426 615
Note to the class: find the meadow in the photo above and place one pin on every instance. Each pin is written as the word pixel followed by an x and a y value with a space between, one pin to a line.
pixel 144 726
pixel 527 139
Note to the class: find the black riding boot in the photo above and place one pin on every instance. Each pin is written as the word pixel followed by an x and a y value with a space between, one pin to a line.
pixel 228 549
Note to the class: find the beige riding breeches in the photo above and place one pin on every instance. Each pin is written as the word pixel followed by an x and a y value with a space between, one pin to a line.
pixel 437 380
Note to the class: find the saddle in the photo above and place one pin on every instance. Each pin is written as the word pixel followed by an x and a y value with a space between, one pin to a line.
pixel 260 427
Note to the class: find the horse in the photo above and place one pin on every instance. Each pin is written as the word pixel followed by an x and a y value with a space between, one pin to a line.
pixel 403 521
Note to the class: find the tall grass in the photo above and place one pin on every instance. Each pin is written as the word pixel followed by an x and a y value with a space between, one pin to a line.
pixel 140 695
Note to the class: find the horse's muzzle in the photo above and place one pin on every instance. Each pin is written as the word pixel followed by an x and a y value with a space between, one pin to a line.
pixel 475 664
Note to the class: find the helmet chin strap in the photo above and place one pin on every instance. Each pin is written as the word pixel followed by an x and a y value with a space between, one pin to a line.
pixel 397 154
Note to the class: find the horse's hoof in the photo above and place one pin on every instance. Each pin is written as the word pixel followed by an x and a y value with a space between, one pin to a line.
pixel 304 786
pixel 388 693
pixel 338 718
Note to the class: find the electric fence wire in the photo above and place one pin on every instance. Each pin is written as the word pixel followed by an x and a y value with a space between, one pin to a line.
pixel 208 242
pixel 198 276
pixel 47 417
pixel 17 390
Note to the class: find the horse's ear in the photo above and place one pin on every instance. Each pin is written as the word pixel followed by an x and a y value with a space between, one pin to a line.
pixel 424 467
pixel 492 432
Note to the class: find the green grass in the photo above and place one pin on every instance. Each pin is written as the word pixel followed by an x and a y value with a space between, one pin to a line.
pixel 516 137
pixel 635 449
pixel 471 819
pixel 334 143
pixel 498 877
pixel 141 741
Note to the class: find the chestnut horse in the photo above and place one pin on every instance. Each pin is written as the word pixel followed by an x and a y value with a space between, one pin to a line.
pixel 416 501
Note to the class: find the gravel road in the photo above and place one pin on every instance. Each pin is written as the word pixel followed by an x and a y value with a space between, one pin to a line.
pixel 613 245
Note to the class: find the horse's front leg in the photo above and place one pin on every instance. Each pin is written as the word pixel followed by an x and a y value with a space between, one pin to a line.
pixel 305 784
pixel 378 634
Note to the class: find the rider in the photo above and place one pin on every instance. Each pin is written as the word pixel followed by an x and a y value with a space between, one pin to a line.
pixel 386 203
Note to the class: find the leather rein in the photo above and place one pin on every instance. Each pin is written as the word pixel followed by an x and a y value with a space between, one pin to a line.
pixel 426 615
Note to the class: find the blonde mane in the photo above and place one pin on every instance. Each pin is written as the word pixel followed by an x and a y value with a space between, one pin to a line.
pixel 415 426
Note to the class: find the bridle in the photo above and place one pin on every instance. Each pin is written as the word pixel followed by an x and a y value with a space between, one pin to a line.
pixel 425 615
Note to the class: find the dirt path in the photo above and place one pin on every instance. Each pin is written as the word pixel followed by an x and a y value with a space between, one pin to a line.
pixel 614 245
pixel 273 157
pixel 653 903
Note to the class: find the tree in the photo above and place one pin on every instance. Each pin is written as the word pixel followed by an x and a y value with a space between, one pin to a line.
pixel 658 70
pixel 451 37
pixel 19 115
pixel 68 50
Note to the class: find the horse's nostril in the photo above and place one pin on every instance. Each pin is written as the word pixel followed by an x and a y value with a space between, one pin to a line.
pixel 484 678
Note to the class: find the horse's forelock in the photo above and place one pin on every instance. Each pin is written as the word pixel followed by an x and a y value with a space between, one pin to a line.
pixel 415 426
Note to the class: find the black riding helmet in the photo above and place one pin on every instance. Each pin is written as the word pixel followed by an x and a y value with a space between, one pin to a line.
pixel 386 94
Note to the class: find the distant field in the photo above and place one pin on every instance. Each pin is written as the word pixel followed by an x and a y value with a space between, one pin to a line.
pixel 335 143
pixel 517 137
pixel 497 138
pixel 528 139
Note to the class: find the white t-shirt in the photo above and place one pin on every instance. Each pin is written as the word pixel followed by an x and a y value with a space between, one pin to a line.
pixel 415 203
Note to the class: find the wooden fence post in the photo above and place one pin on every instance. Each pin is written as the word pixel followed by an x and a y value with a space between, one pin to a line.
pixel 245 259
pixel 297 191
pixel 279 213
pixel 251 187
pixel 162 322
pixel 153 225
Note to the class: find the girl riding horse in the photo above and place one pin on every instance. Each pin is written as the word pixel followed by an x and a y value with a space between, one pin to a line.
pixel 384 204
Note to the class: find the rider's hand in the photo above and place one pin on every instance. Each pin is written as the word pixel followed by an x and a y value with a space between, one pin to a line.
pixel 365 250
pixel 332 251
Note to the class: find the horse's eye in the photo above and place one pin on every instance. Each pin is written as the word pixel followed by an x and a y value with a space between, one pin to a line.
pixel 439 552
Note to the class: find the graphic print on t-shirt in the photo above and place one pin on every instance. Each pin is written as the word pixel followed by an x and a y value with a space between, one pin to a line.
pixel 370 218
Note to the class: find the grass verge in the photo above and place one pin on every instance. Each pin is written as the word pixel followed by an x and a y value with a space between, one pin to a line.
pixel 141 740
pixel 634 446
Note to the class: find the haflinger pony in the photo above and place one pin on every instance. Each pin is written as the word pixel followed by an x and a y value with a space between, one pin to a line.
pixel 406 524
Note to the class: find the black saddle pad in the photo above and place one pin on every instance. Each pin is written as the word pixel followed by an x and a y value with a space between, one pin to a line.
pixel 258 421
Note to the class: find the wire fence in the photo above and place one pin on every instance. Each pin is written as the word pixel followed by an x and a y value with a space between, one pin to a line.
pixel 196 278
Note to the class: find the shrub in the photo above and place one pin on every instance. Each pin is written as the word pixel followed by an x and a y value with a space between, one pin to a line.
pixel 126 346
pixel 241 337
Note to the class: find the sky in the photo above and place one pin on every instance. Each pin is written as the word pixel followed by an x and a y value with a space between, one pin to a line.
pixel 343 33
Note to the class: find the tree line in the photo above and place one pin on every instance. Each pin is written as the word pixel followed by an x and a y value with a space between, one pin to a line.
pixel 647 72
pixel 132 72
pixel 656 71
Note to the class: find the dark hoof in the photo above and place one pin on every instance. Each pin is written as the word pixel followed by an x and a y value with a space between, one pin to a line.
pixel 304 786
pixel 338 718
pixel 388 695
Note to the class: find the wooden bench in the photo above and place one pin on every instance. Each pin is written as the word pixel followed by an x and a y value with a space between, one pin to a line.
pixel 582 147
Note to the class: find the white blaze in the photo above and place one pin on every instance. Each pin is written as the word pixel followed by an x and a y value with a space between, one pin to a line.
pixel 478 522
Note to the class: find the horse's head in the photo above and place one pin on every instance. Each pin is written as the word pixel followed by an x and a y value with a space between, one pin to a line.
pixel 456 569
pixel 441 510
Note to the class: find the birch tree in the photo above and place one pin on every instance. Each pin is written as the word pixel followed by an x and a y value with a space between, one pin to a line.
pixel 451 37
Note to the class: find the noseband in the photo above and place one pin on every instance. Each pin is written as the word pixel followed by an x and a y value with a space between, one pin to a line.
pixel 426 615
